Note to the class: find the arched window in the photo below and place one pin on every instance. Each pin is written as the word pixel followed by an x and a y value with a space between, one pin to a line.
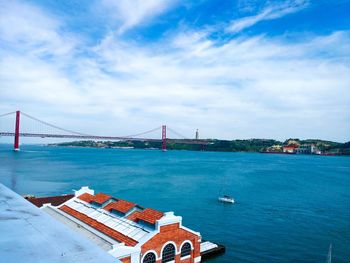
pixel 149 258
pixel 186 249
pixel 168 253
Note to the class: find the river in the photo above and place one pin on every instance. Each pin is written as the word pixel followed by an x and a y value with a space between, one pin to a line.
pixel 289 207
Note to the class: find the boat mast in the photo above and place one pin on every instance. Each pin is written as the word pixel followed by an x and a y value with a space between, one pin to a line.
pixel 329 257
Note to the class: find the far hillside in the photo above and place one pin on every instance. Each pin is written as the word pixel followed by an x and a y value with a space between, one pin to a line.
pixel 250 145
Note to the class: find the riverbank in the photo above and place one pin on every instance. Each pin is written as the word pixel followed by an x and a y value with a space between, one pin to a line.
pixel 327 148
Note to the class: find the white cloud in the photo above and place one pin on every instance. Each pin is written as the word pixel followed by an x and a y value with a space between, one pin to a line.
pixel 28 29
pixel 134 13
pixel 269 13
pixel 243 88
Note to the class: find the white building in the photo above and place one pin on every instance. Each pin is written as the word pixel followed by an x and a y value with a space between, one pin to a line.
pixel 127 231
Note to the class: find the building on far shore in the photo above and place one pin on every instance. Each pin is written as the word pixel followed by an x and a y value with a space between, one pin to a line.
pixel 125 230
pixel 289 148
pixel 308 149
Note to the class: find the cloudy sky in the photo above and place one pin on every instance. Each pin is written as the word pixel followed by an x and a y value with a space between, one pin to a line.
pixel 232 69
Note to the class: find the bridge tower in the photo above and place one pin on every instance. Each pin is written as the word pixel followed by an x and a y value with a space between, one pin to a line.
pixel 164 138
pixel 16 142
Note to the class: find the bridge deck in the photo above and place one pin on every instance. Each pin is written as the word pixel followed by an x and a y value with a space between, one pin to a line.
pixel 94 137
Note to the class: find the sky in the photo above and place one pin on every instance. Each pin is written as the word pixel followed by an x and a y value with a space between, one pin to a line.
pixel 234 69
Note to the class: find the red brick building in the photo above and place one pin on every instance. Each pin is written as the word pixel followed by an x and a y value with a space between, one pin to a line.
pixel 127 231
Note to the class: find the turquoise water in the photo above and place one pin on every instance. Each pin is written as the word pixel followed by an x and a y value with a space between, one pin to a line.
pixel 289 207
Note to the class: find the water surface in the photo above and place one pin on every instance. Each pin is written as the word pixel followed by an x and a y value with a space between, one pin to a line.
pixel 289 207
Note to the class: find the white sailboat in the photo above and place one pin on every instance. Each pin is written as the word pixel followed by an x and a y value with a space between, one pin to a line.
pixel 226 199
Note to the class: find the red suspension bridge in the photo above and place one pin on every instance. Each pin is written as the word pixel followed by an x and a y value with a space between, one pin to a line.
pixel 58 132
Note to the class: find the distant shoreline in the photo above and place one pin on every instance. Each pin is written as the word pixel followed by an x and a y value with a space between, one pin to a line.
pixel 290 146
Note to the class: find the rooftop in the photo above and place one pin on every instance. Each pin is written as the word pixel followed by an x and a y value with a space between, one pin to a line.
pixel 28 233
pixel 115 225
pixel 290 146
pixel 148 215
pixel 53 200
pixel 125 208
pixel 99 198
pixel 121 220
pixel 120 206
pixel 93 218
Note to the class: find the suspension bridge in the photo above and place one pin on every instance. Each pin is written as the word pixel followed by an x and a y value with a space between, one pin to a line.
pixel 41 129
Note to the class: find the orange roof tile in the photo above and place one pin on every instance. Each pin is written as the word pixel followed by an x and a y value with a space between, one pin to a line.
pixel 86 197
pixel 121 206
pixel 290 146
pixel 148 215
pixel 99 198
pixel 134 216
pixel 99 226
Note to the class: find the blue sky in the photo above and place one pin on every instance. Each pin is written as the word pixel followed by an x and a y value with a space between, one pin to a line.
pixel 232 69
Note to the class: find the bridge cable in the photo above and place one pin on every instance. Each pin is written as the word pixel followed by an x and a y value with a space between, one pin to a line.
pixel 54 126
pixel 3 115
pixel 142 133
pixel 77 133
pixel 178 134
pixel 83 134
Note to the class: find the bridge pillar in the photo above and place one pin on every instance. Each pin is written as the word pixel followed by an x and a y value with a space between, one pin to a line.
pixel 164 138
pixel 16 142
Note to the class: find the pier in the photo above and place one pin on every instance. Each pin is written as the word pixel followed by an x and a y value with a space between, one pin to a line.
pixel 209 249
